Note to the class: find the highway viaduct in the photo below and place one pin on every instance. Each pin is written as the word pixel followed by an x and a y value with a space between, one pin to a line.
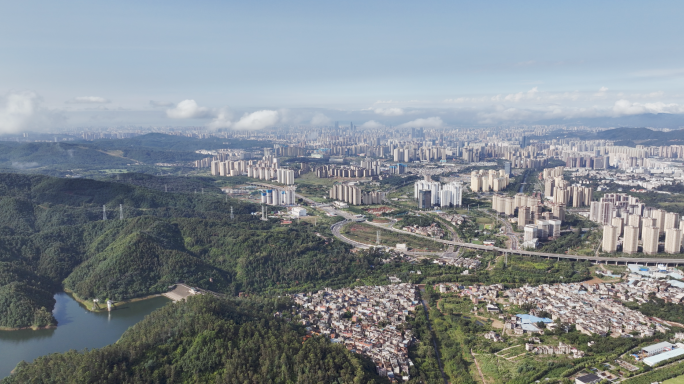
pixel 594 259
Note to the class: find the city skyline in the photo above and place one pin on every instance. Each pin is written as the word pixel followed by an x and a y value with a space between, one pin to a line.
pixel 242 66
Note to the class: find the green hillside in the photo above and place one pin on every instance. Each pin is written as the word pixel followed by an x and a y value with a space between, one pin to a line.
pixel 207 340
pixel 52 235
pixel 140 153
pixel 147 256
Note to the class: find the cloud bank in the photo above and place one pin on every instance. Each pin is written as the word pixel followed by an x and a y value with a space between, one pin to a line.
pixel 430 122
pixel 320 119
pixel 223 118
pixel 372 124
pixel 188 109
pixel 20 111
pixel 389 111
pixel 257 120
pixel 88 100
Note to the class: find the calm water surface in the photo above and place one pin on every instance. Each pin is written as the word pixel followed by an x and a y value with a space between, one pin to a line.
pixel 77 329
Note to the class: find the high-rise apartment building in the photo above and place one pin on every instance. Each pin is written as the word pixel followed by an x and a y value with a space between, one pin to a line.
pixel 650 240
pixel 424 199
pixel 610 238
pixel 617 221
pixel 673 240
pixel 671 220
pixel 631 240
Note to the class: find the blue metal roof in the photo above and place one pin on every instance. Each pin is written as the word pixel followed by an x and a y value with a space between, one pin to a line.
pixel 534 319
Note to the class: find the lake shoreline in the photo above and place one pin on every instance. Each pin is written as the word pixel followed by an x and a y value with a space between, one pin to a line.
pixel 87 305
pixel 78 329
pixel 90 306
pixel 33 328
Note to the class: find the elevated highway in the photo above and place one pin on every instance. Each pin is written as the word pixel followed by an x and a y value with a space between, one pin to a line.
pixel 594 259
pixel 335 228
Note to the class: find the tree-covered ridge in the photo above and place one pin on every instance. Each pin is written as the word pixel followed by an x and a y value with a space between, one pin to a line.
pixel 52 231
pixel 207 340
pixel 52 235
pixel 147 149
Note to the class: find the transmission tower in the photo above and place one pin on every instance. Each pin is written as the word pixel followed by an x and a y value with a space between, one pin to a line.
pixel 166 188
pixel 203 191
pixel 231 213
pixel 104 212
pixel 120 211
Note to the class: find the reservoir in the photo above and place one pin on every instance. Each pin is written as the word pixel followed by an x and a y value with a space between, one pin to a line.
pixel 77 329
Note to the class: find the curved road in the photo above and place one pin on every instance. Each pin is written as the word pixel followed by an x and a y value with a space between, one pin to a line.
pixel 594 259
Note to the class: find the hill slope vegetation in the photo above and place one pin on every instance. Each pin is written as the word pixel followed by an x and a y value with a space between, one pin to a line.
pixel 207 340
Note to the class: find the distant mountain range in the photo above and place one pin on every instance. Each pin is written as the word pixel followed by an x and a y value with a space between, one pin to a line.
pixel 624 136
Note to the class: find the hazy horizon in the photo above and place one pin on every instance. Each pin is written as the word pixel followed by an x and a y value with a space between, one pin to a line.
pixel 250 66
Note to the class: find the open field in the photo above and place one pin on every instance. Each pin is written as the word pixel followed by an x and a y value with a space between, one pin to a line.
pixel 676 380
pixel 311 179
pixel 365 233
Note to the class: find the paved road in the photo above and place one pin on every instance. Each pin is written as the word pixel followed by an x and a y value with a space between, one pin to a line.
pixel 335 229
pixel 594 259
pixel 509 231
pixel 558 256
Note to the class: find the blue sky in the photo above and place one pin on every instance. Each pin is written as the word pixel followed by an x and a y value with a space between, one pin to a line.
pixel 480 63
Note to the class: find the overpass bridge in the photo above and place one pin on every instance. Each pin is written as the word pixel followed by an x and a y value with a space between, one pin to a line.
pixel 594 259
pixel 670 262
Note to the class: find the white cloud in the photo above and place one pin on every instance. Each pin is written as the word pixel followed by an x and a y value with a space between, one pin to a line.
pixel 88 100
pixel 601 93
pixel 320 119
pixel 24 111
pixel 515 97
pixel 430 122
pixel 372 124
pixel 188 109
pixel 625 107
pixel 389 111
pixel 257 120
pixel 223 119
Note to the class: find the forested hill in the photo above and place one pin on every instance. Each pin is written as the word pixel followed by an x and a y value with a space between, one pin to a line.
pixel 207 340
pixel 52 235
pixel 623 136
pixel 140 151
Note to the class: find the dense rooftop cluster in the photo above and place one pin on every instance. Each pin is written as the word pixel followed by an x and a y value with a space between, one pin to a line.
pixel 368 320
pixel 597 308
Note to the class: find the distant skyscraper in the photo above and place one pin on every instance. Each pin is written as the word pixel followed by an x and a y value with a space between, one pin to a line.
pixel 524 142
pixel 424 199
pixel 507 168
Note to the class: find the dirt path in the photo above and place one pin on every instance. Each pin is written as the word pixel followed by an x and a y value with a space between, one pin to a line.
pixel 513 357
pixel 497 354
pixel 478 367
pixel 490 266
